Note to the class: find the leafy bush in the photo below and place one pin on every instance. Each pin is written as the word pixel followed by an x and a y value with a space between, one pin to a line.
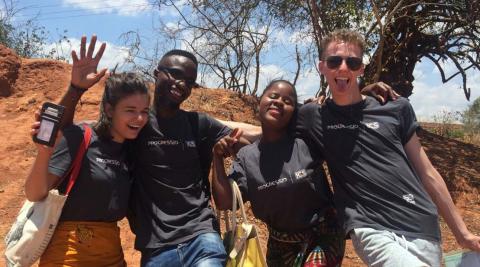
pixel 471 122
pixel 447 124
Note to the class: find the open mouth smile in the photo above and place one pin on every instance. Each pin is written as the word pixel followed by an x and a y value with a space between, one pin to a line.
pixel 134 127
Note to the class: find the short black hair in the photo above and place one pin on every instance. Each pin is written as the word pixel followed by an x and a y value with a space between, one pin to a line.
pixel 183 53
pixel 293 120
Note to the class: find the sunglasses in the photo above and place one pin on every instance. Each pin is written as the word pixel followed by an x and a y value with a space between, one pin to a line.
pixel 175 74
pixel 353 63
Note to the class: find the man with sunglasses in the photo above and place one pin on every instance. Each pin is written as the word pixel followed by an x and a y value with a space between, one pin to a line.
pixel 170 212
pixel 171 215
pixel 386 190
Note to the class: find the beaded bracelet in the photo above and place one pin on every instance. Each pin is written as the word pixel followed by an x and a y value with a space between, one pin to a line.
pixel 78 89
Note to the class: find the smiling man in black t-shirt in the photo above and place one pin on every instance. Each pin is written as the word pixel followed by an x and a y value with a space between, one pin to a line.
pixel 171 214
pixel 386 190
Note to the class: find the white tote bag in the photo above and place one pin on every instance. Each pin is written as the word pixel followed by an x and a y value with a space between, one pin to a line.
pixel 35 224
pixel 33 229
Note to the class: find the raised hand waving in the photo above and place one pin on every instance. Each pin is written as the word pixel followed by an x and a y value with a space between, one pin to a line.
pixel 84 69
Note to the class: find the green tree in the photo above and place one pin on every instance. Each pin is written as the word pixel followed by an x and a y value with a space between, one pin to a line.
pixel 471 118
pixel 26 38
pixel 400 33
pixel 30 40
pixel 5 30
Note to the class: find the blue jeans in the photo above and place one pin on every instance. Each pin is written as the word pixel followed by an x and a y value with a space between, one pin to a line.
pixel 202 251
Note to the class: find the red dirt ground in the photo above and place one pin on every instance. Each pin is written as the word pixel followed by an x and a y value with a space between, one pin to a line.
pixel 46 80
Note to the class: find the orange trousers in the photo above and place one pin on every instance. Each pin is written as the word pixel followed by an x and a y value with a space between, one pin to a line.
pixel 92 244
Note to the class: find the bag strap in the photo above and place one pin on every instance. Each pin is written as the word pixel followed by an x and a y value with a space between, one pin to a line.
pixel 237 202
pixel 77 162
pixel 199 126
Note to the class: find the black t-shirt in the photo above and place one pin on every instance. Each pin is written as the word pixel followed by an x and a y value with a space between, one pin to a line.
pixel 169 203
pixel 288 190
pixel 375 185
pixel 102 189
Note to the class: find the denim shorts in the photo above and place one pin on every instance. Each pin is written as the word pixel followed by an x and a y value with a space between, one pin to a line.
pixel 385 248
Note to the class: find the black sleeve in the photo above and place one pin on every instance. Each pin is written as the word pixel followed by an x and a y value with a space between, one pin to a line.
pixel 409 124
pixel 237 173
pixel 65 150
pixel 215 129
pixel 305 128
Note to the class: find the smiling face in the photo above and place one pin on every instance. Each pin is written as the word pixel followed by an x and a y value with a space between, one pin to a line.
pixel 128 116
pixel 342 80
pixel 175 77
pixel 277 106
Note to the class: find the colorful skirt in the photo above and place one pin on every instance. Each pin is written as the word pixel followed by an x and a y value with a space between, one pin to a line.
pixel 77 243
pixel 322 245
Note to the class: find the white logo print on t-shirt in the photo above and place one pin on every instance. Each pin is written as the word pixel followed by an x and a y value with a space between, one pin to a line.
pixel 340 126
pixel 409 198
pixel 300 174
pixel 108 161
pixel 372 125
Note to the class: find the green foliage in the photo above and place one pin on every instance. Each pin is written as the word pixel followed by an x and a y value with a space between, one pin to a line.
pixel 398 33
pixel 5 30
pixel 470 131
pixel 26 38
pixel 471 118
pixel 29 40
pixel 447 125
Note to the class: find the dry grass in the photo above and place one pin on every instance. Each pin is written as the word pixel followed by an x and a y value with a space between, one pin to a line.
pixel 453 131
pixel 473 139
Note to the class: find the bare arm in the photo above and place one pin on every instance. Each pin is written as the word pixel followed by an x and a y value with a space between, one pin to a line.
pixel 84 76
pixel 438 191
pixel 222 192
pixel 69 100
pixel 39 181
pixel 250 132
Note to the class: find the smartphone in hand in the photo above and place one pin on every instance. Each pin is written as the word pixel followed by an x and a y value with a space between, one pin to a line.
pixel 50 119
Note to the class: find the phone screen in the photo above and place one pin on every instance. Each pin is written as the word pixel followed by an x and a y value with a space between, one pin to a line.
pixel 46 128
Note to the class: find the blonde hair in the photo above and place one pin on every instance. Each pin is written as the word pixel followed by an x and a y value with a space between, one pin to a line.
pixel 342 35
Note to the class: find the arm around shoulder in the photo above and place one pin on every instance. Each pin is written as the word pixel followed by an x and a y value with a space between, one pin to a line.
pixel 250 132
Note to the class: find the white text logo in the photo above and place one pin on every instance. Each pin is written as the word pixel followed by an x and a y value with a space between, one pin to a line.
pixel 190 143
pixel 108 161
pixel 163 143
pixel 342 126
pixel 270 184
